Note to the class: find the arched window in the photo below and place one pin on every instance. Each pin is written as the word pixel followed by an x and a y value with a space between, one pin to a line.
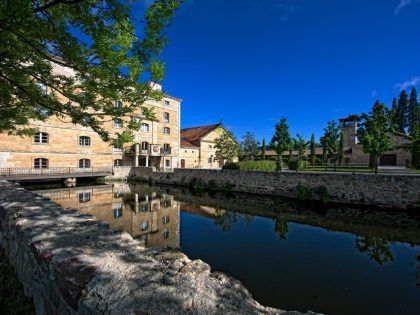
pixel 166 131
pixel 166 117
pixel 144 127
pixel 41 163
pixel 41 137
pixel 84 163
pixel 118 162
pixel 84 141
pixel 118 104
pixel 145 145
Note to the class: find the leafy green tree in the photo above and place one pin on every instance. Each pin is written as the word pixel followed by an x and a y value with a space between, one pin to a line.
pixel 377 249
pixel 331 139
pixel 374 132
pixel 226 146
pixel 225 219
pixel 341 149
pixel 324 150
pixel 106 51
pixel 281 226
pixel 281 141
pixel 413 147
pixel 313 150
pixel 263 150
pixel 401 115
pixel 250 147
pixel 299 144
pixel 413 117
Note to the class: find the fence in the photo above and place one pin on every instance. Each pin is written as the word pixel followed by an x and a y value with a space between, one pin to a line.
pixel 25 172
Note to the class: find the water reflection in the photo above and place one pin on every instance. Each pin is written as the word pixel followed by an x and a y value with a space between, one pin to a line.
pixel 338 260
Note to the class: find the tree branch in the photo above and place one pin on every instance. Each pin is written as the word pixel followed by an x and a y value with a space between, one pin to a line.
pixel 54 3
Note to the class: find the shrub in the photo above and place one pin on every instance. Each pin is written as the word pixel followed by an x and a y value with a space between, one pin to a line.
pixel 231 166
pixel 261 166
pixel 303 192
pixel 197 184
pixel 295 165
pixel 322 192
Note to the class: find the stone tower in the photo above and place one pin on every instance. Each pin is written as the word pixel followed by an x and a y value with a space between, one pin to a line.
pixel 348 125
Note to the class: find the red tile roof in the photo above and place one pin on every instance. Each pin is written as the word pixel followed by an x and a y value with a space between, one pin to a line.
pixel 187 144
pixel 196 133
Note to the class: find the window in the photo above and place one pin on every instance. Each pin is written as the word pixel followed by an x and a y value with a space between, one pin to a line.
pixel 166 233
pixel 118 104
pixel 167 148
pixel 210 160
pixel 166 203
pixel 84 163
pixel 210 146
pixel 41 137
pixel 42 112
pixel 144 127
pixel 118 162
pixel 166 117
pixel 144 207
pixel 165 219
pixel 43 88
pixel 118 212
pixel 166 131
pixel 166 102
pixel 41 163
pixel 144 145
pixel 167 163
pixel 144 225
pixel 84 141
pixel 118 123
pixel 84 197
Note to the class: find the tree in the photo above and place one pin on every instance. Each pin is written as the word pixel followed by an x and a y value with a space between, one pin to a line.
pixel 413 147
pixel 281 141
pixel 395 113
pixel 263 150
pixel 299 144
pixel 313 150
pixel 105 49
pixel 331 138
pixel 373 132
pixel 226 146
pixel 324 150
pixel 341 149
pixel 401 115
pixel 249 146
pixel 413 117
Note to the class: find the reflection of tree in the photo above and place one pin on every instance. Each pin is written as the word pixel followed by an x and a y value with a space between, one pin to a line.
pixel 248 218
pixel 377 248
pixel 417 272
pixel 225 219
pixel 281 227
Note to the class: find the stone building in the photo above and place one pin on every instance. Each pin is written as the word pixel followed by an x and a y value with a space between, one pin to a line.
pixel 60 143
pixel 353 151
pixel 198 147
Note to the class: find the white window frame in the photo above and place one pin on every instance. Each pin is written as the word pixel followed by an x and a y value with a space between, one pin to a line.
pixel 166 131
pixel 41 163
pixel 118 162
pixel 166 117
pixel 41 138
pixel 84 141
pixel 144 127
pixel 85 163
pixel 84 197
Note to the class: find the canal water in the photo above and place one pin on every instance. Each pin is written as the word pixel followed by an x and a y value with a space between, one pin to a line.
pixel 291 256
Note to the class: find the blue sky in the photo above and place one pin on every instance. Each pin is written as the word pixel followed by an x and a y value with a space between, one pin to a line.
pixel 254 61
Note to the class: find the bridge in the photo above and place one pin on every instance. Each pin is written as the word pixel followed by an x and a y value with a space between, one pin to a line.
pixel 22 173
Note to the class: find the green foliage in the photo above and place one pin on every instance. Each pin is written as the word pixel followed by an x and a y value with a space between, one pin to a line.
pixel 197 184
pixel 323 194
pixel 313 150
pixel 226 146
pixel 377 249
pixel 225 219
pixel 281 141
pixel 263 150
pixel 295 165
pixel 299 144
pixel 401 112
pixel 110 56
pixel 413 117
pixel 304 193
pixel 373 132
pixel 330 140
pixel 231 166
pixel 261 166
pixel 12 299
pixel 249 147
pixel 341 149
pixel 281 227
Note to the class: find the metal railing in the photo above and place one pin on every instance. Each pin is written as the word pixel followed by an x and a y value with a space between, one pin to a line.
pixel 23 171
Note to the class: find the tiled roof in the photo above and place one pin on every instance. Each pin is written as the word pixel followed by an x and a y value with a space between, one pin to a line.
pixel 196 133
pixel 187 144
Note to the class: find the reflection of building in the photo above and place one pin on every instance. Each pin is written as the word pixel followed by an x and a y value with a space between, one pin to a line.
pixel 198 147
pixel 150 217
pixel 60 143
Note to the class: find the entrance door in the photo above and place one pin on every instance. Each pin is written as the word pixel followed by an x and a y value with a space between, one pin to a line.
pixel 221 163
pixel 182 163
pixel 388 160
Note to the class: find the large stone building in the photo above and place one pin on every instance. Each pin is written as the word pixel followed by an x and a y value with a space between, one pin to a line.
pixel 353 151
pixel 198 147
pixel 60 143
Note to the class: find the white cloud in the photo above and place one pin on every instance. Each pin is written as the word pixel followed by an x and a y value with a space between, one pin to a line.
pixel 404 3
pixel 412 82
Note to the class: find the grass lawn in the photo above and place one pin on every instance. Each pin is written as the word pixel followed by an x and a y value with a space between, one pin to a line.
pixel 338 169
pixel 12 299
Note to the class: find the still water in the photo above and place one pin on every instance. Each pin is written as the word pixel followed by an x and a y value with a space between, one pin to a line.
pixel 294 257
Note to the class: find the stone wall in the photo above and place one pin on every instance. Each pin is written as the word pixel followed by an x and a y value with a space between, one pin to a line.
pixel 382 190
pixel 72 264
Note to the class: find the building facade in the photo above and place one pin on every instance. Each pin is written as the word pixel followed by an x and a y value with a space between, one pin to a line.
pixel 60 143
pixel 198 147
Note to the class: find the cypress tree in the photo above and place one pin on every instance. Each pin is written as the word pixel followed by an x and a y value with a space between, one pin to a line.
pixel 341 149
pixel 313 150
pixel 394 111
pixel 402 110
pixel 263 150
pixel 413 112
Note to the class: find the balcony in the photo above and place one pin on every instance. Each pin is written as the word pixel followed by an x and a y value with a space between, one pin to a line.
pixel 165 152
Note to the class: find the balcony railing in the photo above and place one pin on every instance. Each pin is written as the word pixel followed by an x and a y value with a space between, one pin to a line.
pixel 23 171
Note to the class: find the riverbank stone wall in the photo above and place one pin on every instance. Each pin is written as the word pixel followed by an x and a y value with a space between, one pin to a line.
pixel 70 263
pixel 381 190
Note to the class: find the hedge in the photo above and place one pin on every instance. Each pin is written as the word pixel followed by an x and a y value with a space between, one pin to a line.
pixel 262 166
